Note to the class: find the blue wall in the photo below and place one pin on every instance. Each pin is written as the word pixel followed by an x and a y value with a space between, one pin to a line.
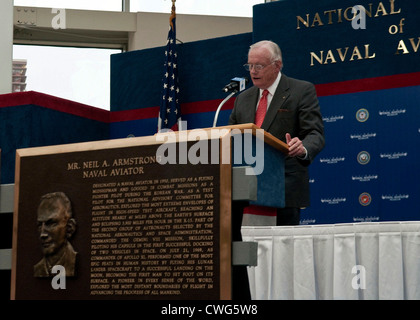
pixel 26 126
pixel 374 159
pixel 205 67
pixel 367 170
pixel 279 21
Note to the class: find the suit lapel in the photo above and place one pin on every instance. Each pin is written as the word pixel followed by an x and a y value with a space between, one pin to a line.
pixel 249 109
pixel 280 96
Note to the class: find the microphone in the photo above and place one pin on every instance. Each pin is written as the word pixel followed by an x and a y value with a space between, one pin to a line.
pixel 236 84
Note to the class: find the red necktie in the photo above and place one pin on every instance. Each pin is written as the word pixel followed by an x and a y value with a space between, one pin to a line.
pixel 262 109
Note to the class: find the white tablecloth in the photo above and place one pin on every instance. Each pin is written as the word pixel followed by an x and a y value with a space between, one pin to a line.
pixel 379 260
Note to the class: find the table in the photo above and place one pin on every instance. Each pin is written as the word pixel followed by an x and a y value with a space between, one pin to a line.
pixel 356 261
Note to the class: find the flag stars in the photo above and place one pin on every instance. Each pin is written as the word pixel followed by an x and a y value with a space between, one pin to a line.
pixel 169 109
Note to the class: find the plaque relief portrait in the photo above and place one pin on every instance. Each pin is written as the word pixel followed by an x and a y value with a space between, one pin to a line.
pixel 56 227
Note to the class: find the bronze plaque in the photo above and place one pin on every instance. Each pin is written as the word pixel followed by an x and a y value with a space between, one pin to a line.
pixel 129 227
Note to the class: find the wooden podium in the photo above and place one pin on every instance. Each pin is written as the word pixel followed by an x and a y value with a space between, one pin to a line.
pixel 153 214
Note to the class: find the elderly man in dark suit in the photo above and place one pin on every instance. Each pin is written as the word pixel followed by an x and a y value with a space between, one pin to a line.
pixel 291 113
pixel 288 109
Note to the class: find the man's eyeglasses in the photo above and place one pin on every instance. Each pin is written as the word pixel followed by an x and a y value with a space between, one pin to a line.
pixel 257 67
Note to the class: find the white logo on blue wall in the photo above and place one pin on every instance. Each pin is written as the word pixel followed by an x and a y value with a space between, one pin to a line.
pixel 333 118
pixel 394 155
pixel 363 157
pixel 392 113
pixel 363 136
pixel 396 197
pixel 362 115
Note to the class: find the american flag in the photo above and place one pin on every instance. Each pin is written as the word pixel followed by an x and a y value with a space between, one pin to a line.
pixel 170 112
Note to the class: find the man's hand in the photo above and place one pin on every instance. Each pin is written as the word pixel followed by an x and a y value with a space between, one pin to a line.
pixel 296 148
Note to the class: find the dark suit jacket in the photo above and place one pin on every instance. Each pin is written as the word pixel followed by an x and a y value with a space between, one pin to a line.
pixel 294 109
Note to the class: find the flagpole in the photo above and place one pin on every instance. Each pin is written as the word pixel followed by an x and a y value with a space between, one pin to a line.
pixel 171 22
pixel 173 14
pixel 170 113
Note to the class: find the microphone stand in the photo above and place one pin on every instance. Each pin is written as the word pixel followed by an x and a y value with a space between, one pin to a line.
pixel 220 107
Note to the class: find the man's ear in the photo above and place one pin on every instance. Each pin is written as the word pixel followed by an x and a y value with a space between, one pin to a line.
pixel 71 227
pixel 279 64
